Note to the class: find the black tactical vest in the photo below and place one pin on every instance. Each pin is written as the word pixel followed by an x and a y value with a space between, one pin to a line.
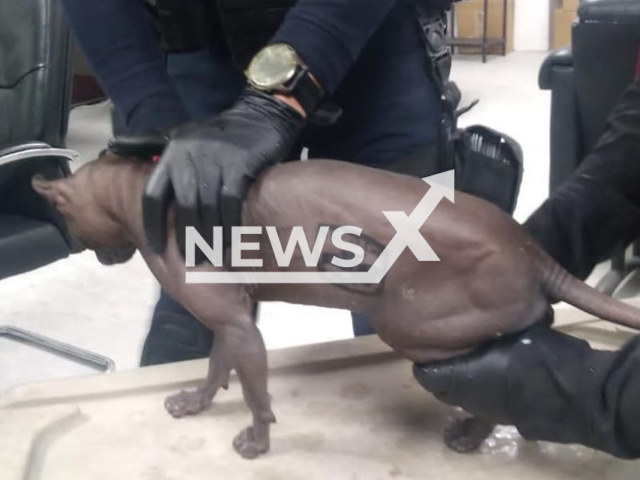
pixel 249 24
pixel 187 25
pixel 242 27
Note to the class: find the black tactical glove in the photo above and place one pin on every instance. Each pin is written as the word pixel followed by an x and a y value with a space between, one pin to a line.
pixel 207 167
pixel 477 382
pixel 551 386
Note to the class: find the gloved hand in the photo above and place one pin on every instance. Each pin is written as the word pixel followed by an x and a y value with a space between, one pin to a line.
pixel 551 386
pixel 488 382
pixel 477 382
pixel 207 167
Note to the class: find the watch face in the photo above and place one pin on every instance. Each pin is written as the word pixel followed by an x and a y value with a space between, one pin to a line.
pixel 273 66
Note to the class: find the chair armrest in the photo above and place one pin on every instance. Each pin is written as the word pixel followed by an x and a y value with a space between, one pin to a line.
pixel 557 75
pixel 625 12
pixel 565 137
pixel 18 164
pixel 34 150
pixel 558 58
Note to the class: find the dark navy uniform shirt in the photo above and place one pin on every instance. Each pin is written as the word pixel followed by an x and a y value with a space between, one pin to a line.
pixel 334 37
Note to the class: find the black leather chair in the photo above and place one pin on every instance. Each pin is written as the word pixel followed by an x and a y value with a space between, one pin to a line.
pixel 35 87
pixel 35 84
pixel 586 80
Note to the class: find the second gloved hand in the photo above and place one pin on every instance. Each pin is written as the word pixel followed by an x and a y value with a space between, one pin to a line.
pixel 208 166
pixel 478 382
pixel 548 384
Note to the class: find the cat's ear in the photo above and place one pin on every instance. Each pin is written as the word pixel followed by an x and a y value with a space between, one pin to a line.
pixel 56 192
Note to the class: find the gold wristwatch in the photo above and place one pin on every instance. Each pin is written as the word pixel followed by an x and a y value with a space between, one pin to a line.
pixel 278 68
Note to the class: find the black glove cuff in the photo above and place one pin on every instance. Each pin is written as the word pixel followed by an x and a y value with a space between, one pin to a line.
pixel 145 146
pixel 274 109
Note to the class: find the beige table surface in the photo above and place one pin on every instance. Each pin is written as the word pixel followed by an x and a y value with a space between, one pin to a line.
pixel 346 410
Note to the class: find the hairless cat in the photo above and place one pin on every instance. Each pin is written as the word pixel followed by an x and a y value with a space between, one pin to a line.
pixel 492 279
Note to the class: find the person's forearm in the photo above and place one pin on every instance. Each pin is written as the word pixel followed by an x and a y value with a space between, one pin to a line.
pixel 118 40
pixel 597 210
pixel 329 35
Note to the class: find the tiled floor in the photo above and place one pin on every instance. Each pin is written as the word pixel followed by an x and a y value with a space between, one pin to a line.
pixel 107 309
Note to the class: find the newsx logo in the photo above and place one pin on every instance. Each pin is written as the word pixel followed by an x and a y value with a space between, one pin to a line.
pixel 407 236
